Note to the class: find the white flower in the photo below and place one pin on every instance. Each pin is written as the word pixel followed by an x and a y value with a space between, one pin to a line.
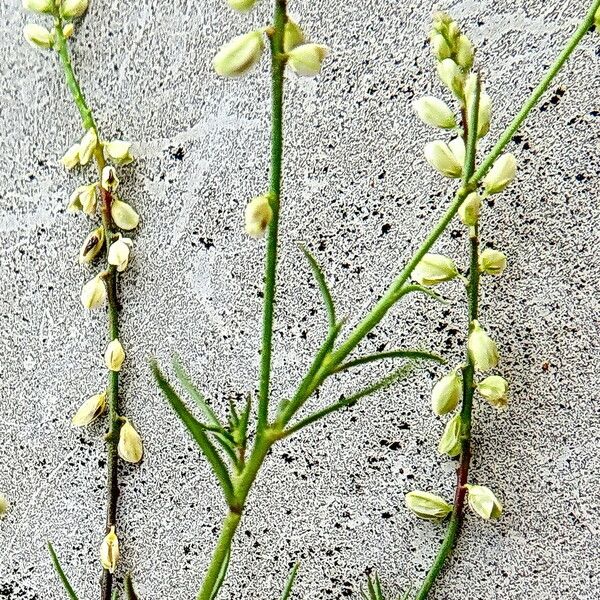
pixel 72 9
pixel 446 393
pixel 130 445
pixel 492 262
pixel 434 112
pixel 123 215
pixel 114 355
pixel 258 215
pixel 87 145
pixel 93 293
pixel 118 253
pixel 451 76
pixel 83 198
pixel 433 269
pixel 307 59
pixel 90 410
pixel 109 551
pixel 469 210
pixel 91 246
pixel 501 174
pixel 482 348
pixel 427 506
pixel 239 55
pixel 39 6
pixel 118 151
pixel 450 442
pixel 439 155
pixel 38 36
pixel 494 389
pixel 483 502
pixel 71 157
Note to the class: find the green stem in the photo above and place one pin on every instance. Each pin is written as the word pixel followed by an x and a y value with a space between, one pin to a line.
pixel 110 280
pixel 277 70
pixel 391 295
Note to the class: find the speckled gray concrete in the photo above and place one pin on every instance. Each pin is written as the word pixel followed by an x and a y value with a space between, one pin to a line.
pixel 359 193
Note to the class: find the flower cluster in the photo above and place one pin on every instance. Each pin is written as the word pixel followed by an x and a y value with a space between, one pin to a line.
pixel 454 54
pixel 238 56
pixel 41 37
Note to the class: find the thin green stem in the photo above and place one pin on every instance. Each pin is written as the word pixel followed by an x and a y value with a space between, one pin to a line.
pixel 110 280
pixel 277 70
pixel 391 295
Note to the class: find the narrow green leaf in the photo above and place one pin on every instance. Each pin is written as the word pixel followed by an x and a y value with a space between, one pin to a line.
pixel 129 591
pixel 397 375
pixel 196 395
pixel 322 283
pixel 71 593
pixel 290 582
pixel 411 354
pixel 114 595
pixel 244 418
pixel 221 576
pixel 197 431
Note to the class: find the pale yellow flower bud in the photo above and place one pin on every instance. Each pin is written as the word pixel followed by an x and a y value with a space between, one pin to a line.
pixel 93 293
pixel 130 446
pixel 118 151
pixel 90 410
pixel 239 55
pixel 38 36
pixel 71 157
pixel 3 506
pixel 72 9
pixel 492 262
pixel 39 6
pixel 484 114
pixel 483 502
pixel 494 389
pixel 307 59
pixel 68 30
pixel 433 269
pixel 482 348
pixel 464 52
pixel 501 174
pixel 439 155
pixel 450 442
pixel 427 506
pixel 109 180
pixel 258 215
pixel 470 208
pixel 446 393
pixel 242 5
pixel 451 76
pixel 293 35
pixel 434 112
pixel 457 147
pixel 439 46
pixel 118 253
pixel 92 245
pixel 83 198
pixel 123 215
pixel 87 146
pixel 114 355
pixel 109 551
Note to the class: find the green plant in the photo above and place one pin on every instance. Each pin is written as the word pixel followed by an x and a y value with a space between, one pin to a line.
pixel 98 198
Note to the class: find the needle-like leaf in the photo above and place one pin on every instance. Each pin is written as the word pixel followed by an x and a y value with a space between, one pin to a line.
pixel 410 354
pixel 198 433
pixel 129 591
pixel 290 582
pixel 322 283
pixel 61 573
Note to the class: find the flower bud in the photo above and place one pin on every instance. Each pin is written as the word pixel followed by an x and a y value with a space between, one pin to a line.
pixel 258 215
pixel 123 215
pixel 118 151
pixel 93 293
pixel 482 348
pixel 307 59
pixel 118 253
pixel 68 30
pixel 71 157
pixel 90 410
pixel 494 389
pixel 3 506
pixel 39 6
pixel 483 502
pixel 484 114
pixel 87 146
pixel 450 442
pixel 439 46
pixel 457 147
pixel 92 245
pixel 239 55
pixel 434 112
pixel 109 551
pixel 293 35
pixel 427 506
pixel 109 180
pixel 452 77
pixel 469 210
pixel 242 5
pixel 130 446
pixel 464 52
pixel 433 269
pixel 72 9
pixel 38 36
pixel 501 174
pixel 114 355
pixel 446 393
pixel 492 262
pixel 440 157
pixel 83 198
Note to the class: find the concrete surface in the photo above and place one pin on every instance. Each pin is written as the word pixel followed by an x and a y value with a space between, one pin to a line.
pixel 359 193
